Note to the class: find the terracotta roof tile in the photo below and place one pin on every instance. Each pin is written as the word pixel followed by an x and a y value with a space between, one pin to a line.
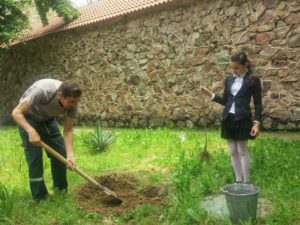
pixel 93 13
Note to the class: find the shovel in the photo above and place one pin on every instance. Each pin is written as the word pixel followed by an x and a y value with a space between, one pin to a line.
pixel 112 197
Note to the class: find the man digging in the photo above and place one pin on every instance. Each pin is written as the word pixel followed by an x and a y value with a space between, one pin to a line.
pixel 35 115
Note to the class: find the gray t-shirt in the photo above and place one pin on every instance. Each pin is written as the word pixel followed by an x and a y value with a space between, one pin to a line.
pixel 42 99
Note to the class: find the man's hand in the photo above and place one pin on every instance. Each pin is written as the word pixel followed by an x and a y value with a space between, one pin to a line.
pixel 71 162
pixel 206 91
pixel 18 115
pixel 34 137
pixel 255 130
pixel 68 138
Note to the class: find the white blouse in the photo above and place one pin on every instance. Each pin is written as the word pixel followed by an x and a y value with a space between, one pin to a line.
pixel 236 86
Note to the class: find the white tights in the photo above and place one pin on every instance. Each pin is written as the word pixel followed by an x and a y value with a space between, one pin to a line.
pixel 240 159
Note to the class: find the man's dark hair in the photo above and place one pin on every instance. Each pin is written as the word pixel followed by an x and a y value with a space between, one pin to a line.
pixel 70 88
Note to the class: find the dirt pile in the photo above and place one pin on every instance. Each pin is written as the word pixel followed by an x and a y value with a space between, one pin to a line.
pixel 128 189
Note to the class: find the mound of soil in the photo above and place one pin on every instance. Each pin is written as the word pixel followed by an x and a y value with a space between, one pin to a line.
pixel 128 189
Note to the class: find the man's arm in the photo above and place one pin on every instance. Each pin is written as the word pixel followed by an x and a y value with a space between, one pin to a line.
pixel 18 116
pixel 68 139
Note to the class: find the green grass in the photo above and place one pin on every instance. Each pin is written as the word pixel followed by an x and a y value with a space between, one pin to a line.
pixel 157 156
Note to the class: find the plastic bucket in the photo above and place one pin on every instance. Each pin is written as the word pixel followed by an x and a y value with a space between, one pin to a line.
pixel 241 201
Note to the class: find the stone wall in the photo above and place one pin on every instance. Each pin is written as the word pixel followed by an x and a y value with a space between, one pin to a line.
pixel 147 70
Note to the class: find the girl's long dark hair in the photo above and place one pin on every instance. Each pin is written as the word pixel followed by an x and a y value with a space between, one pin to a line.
pixel 242 59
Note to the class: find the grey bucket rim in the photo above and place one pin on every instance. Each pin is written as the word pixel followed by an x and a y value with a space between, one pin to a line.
pixel 253 193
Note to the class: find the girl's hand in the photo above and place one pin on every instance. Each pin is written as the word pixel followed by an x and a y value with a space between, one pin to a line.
pixel 206 91
pixel 255 130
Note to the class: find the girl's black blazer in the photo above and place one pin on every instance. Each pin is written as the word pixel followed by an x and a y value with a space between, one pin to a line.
pixel 251 87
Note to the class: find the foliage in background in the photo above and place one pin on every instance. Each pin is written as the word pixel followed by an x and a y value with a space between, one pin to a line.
pixel 63 8
pixel 99 139
pixel 13 18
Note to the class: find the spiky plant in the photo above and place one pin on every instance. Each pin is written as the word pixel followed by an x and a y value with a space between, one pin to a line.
pixel 99 139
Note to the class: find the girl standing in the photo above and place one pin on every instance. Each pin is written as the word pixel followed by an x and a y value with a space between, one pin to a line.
pixel 237 124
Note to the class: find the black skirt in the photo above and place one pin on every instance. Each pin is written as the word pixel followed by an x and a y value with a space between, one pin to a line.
pixel 236 129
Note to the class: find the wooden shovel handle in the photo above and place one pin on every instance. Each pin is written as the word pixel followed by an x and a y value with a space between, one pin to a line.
pixel 77 170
